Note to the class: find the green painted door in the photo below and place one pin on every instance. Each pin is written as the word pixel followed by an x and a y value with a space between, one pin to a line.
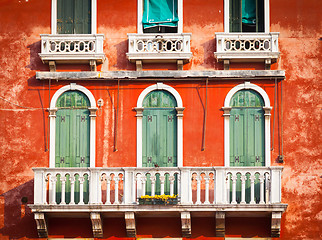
pixel 159 134
pixel 247 139
pixel 73 16
pixel 72 139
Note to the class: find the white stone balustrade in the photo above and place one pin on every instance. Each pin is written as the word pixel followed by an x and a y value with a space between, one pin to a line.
pixel 245 47
pixel 123 186
pixel 166 47
pixel 72 48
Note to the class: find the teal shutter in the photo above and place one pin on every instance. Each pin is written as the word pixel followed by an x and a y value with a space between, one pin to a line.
pixel 73 16
pixel 160 13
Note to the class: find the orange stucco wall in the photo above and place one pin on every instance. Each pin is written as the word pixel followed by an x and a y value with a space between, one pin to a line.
pixel 23 131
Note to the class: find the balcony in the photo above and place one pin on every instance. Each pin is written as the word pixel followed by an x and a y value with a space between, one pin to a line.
pixel 71 49
pixel 247 47
pixel 163 47
pixel 215 191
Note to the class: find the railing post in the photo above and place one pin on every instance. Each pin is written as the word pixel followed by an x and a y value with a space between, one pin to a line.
pixel 276 185
pixel 153 179
pixel 94 179
pixel 185 191
pixel 220 190
pixel 129 191
pixel 39 187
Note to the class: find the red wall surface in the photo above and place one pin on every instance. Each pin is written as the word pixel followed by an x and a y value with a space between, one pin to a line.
pixel 24 119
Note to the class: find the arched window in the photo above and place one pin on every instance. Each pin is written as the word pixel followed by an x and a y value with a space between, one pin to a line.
pixel 72 130
pixel 247 129
pixel 159 136
pixel 247 126
pixel 159 107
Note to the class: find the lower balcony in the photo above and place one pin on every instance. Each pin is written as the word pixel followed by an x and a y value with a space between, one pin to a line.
pixel 247 47
pixel 103 192
pixel 71 49
pixel 163 47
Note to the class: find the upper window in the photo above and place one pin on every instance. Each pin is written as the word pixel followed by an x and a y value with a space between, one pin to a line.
pixel 73 17
pixel 247 16
pixel 159 16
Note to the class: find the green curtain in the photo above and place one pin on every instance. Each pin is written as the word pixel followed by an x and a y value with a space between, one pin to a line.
pixel 249 11
pixel 160 13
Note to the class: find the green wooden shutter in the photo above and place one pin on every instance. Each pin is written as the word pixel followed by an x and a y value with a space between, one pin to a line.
pixel 235 16
pixel 73 16
pixel 237 137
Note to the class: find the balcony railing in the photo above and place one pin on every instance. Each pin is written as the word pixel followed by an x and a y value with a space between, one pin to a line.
pixel 245 47
pixel 163 47
pixel 123 186
pixel 72 48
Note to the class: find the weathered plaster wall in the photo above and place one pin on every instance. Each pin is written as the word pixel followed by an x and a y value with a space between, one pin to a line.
pixel 23 131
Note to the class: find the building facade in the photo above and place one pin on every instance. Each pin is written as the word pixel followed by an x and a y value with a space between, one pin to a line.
pixel 160 119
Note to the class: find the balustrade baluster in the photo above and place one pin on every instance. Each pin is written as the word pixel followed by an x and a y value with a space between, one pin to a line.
pixel 108 190
pixel 207 190
pixel 53 181
pixel 243 190
pixel 63 190
pixel 261 181
pixel 227 189
pixel 171 179
pixel 44 192
pixel 72 190
pixel 81 189
pixel 153 185
pixel 162 179
pixel 252 189
pixel 198 190
pixel 116 180
pixel 143 181
pixel 234 179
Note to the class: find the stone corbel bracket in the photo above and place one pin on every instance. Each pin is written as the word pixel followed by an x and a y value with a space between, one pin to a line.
pixel 97 225
pixel 130 224
pixel 220 224
pixel 186 224
pixel 41 225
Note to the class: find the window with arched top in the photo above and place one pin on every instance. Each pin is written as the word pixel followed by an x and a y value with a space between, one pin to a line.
pixel 72 130
pixel 159 146
pixel 247 129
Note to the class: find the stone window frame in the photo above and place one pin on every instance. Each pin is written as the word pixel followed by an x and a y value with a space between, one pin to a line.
pixel 54 16
pixel 52 116
pixel 267 114
pixel 139 121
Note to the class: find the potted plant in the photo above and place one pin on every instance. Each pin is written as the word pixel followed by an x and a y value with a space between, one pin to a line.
pixel 158 200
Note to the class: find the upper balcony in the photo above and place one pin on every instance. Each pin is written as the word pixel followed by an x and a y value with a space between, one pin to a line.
pixel 71 49
pixel 247 47
pixel 163 47
pixel 215 191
